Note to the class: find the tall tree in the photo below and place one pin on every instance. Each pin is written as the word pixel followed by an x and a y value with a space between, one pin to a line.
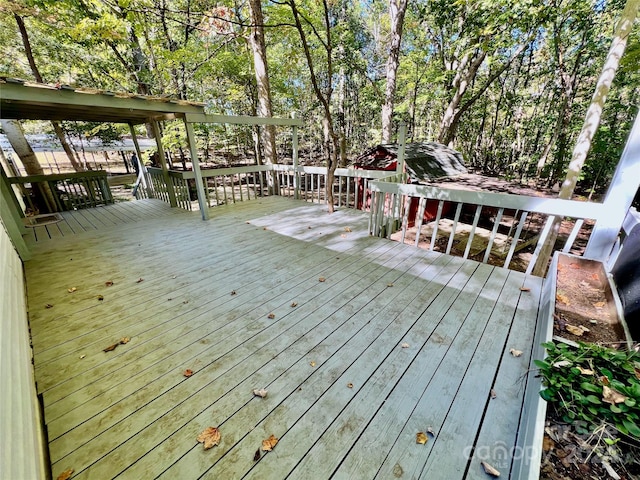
pixel 62 138
pixel 591 123
pixel 397 9
pixel 332 146
pixel 258 47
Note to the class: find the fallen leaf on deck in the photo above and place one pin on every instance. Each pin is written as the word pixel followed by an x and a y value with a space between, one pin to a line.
pixel 489 470
pixel 494 394
pixel 389 284
pixel 82 356
pixel 264 228
pixel 430 431
pixel 421 438
pixel 174 276
pixel 515 353
pixel 525 289
pixel 322 279
pixel 48 305
pixel 110 348
pixel 260 393
pixel 612 396
pixel 313 364
pixel 585 371
pixel 294 304
pixel 233 292
pixel 599 304
pixel 187 373
pixel 405 345
pixel 100 298
pixel 140 280
pixel 124 340
pixel 271 316
pixel 256 456
pixel 108 283
pixel 66 474
pixel 347 229
pixel 269 443
pixel 578 331
pixel 562 298
pixel 247 222
pixel 72 289
pixel 350 385
pixel 184 302
pixel 210 436
pixel 309 227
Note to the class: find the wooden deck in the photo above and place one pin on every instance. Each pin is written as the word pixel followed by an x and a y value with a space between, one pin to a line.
pixel 394 341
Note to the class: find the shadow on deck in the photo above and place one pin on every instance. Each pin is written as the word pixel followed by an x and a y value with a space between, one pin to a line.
pixel 360 342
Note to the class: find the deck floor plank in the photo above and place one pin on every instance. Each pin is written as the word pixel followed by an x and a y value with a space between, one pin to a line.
pixel 131 413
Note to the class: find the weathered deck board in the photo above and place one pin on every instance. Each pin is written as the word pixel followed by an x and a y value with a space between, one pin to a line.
pixel 354 413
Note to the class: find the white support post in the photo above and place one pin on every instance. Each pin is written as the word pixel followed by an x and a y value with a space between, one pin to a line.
pixel 195 163
pixel 402 141
pixel 622 190
pixel 296 175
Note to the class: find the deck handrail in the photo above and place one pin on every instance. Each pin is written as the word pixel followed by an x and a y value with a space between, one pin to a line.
pixel 391 212
pixel 73 190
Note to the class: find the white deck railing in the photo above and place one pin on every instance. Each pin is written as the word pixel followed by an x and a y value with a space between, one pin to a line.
pixel 237 184
pixel 453 217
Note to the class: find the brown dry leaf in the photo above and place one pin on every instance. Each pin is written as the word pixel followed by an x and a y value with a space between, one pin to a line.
pixel 548 443
pixel 260 393
pixel 271 316
pixel 233 292
pixel 562 299
pixel 322 279
pixel 110 348
pixel 256 456
pixel 294 304
pixel 100 298
pixel 124 340
pixel 187 373
pixel 405 345
pixel 494 394
pixel 265 228
pixel 140 280
pixel 350 385
pixel 489 470
pixel 309 227
pixel 599 304
pixel 612 396
pixel 421 438
pixel 313 364
pixel 48 305
pixel 66 474
pixel 389 284
pixel 515 353
pixel 269 443
pixel 347 229
pixel 247 222
pixel 585 371
pixel 210 436
pixel 578 331
pixel 108 283
pixel 525 289
pixel 604 380
pixel 72 289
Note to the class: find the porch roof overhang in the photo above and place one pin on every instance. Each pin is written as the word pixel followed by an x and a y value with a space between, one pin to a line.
pixel 21 100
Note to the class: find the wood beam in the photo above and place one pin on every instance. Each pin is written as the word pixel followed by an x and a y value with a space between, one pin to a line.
pixel 195 163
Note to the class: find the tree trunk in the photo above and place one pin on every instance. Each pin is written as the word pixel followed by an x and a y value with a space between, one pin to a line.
pixel 26 43
pixel 591 123
pixel 260 65
pixel 15 135
pixel 397 9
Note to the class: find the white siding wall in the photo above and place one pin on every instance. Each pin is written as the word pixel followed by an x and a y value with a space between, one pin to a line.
pixel 21 440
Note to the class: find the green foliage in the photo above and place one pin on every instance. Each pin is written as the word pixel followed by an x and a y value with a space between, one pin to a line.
pixel 575 380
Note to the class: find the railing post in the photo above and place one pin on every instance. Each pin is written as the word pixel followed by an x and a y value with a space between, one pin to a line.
pixel 294 141
pixel 193 150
